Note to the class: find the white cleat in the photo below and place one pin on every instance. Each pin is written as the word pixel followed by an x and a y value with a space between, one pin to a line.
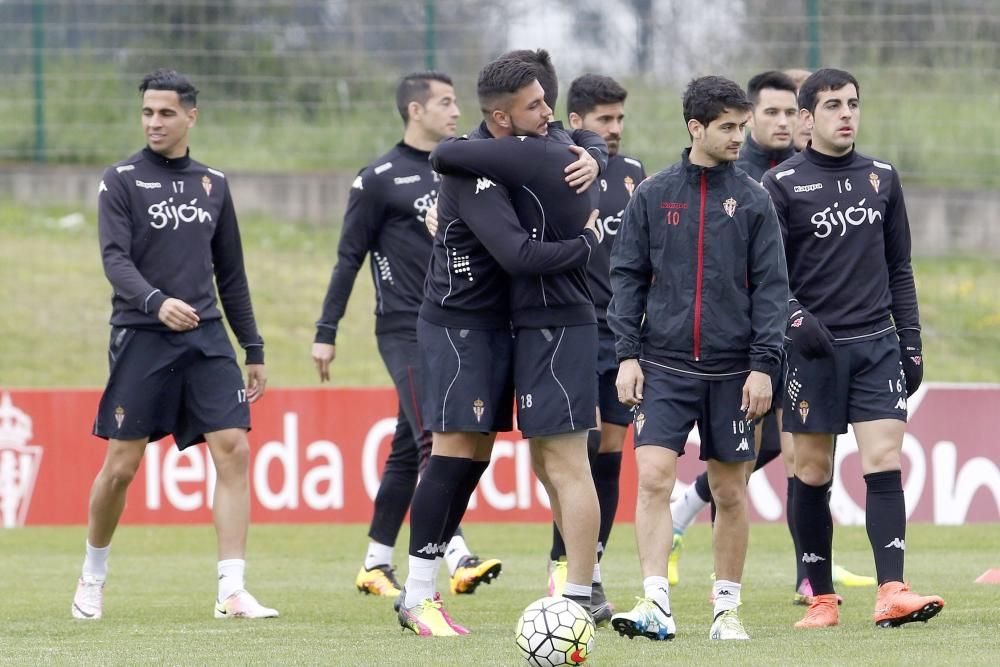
pixel 89 598
pixel 243 605
pixel 727 625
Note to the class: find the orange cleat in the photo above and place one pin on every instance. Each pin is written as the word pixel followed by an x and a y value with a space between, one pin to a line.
pixel 822 613
pixel 897 604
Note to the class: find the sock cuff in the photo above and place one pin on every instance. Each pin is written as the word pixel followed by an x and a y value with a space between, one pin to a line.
pixel 808 493
pixel 702 488
pixel 886 481
pixel 608 464
pixel 231 562
pixel 446 468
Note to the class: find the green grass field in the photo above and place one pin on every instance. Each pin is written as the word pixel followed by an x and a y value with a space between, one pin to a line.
pixel 158 602
pixel 57 303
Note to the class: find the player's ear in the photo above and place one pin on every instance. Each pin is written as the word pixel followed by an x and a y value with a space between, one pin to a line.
pixel 192 117
pixel 413 110
pixel 696 129
pixel 575 121
pixel 501 118
pixel 806 118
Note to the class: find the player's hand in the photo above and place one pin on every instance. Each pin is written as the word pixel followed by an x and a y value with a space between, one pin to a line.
pixel 431 219
pixel 323 354
pixel 756 395
pixel 913 360
pixel 809 335
pixel 256 381
pixel 177 315
pixel 629 382
pixel 583 172
pixel 592 223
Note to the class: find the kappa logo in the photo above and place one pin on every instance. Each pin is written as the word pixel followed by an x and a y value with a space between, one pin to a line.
pixel 432 549
pixel 147 186
pixel 19 463
pixel 901 403
pixel 102 188
pixel 483 184
pixel 357 184
pixel 640 420
pixel 730 206
pixel 744 446
pixel 405 180
pixel 811 558
pixel 804 410
pixel 808 188
pixel 478 409
pixel 896 544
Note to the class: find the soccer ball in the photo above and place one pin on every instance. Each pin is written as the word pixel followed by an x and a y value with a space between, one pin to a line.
pixel 555 631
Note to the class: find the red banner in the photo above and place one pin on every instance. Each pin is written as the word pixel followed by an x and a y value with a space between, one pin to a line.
pixel 317 456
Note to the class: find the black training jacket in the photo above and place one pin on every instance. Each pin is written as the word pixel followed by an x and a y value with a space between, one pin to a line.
pixel 698 272
pixel 532 170
pixel 385 217
pixel 168 229
pixel 847 241
pixel 756 160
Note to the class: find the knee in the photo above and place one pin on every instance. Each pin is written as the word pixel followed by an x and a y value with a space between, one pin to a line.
pixel 729 495
pixel 232 455
pixel 120 470
pixel 657 482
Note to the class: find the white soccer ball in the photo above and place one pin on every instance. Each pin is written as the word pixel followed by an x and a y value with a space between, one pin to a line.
pixel 555 631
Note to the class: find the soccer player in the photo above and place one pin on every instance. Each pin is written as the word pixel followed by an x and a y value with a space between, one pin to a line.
pixel 553 317
pixel 466 347
pixel 168 235
pixel 699 292
pixel 597 103
pixel 802 131
pixel 385 217
pixel 854 352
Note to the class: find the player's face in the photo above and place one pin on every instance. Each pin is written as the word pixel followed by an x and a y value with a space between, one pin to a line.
pixel 606 120
pixel 529 115
pixel 439 115
pixel 166 122
pixel 835 121
pixel 720 141
pixel 774 119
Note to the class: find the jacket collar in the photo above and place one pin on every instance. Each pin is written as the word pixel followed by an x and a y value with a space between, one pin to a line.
pixel 712 174
pixel 166 162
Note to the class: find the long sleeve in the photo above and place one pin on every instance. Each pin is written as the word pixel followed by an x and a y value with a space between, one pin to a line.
pixel 780 204
pixel 593 144
pixel 114 222
pixel 897 257
pixel 631 273
pixel 231 278
pixel 768 277
pixel 362 222
pixel 510 161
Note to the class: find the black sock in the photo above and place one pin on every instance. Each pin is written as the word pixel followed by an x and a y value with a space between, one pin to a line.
pixel 607 469
pixel 702 488
pixel 558 549
pixel 432 501
pixel 800 567
pixel 814 525
pixel 395 491
pixel 885 518
pixel 460 502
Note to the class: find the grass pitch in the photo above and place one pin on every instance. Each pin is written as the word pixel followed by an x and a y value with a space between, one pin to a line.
pixel 158 603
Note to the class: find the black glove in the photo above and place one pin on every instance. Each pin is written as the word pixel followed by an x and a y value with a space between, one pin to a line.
pixel 913 362
pixel 809 335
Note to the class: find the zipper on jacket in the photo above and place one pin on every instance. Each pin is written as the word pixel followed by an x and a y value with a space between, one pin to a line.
pixel 701 260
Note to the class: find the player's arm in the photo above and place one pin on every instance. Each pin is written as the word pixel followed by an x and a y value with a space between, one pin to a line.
pixel 231 279
pixel 490 216
pixel 592 152
pixel 510 161
pixel 114 224
pixel 905 313
pixel 362 223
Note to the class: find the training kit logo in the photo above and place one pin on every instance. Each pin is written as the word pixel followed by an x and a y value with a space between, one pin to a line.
pixel 478 409
pixel 483 184
pixel 206 183
pixel 811 558
pixel 730 206
pixel 896 544
pixel 640 419
pixel 629 185
pixel 19 463
pixel 804 410
pixel 744 446
pixel 119 415
pixel 874 180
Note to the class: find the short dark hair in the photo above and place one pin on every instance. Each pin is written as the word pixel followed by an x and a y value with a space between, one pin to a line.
pixel 416 87
pixel 168 79
pixel 824 79
pixel 501 78
pixel 545 71
pixel 589 90
pixel 709 97
pixel 770 79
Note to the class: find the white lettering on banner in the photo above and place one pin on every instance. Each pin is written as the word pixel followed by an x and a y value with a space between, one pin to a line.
pixel 167 472
pixel 370 454
pixel 953 493
pixel 764 499
pixel 286 454
pixel 330 475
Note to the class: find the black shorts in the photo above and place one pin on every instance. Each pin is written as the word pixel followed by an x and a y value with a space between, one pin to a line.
pixel 672 404
pixel 468 385
pixel 770 433
pixel 181 383
pixel 554 371
pixel 612 410
pixel 860 382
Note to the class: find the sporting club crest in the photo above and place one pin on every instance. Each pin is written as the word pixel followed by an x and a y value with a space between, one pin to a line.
pixel 730 206
pixel 119 415
pixel 629 185
pixel 874 180
pixel 804 410
pixel 206 183
pixel 478 409
pixel 19 463
pixel 640 419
